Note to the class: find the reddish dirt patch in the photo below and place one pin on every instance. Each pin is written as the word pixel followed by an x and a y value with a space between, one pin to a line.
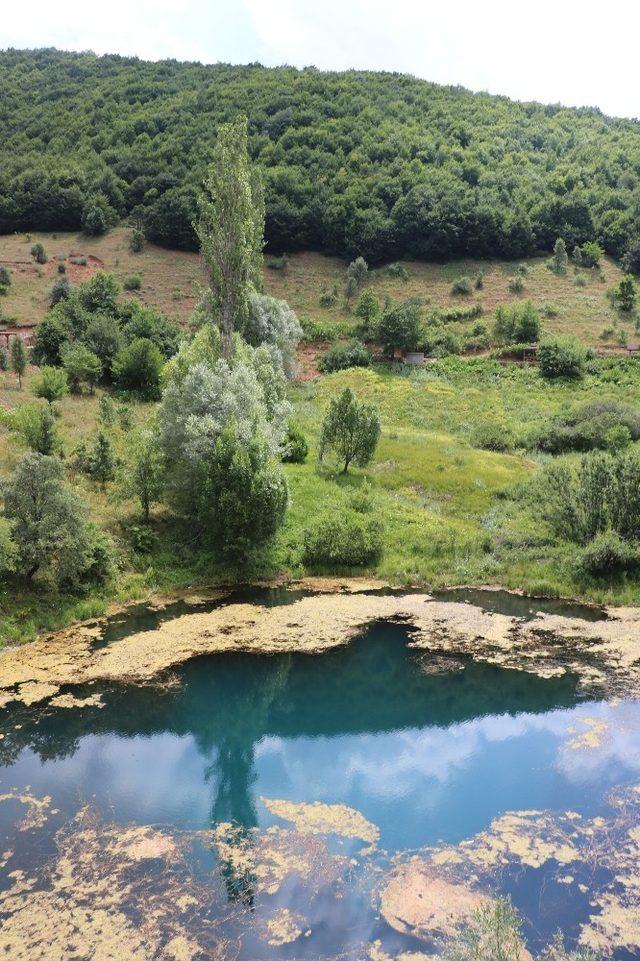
pixel 308 357
pixel 75 272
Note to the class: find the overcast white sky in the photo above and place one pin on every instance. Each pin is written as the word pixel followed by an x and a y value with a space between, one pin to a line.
pixel 578 53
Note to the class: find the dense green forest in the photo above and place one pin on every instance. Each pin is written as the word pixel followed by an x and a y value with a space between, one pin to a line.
pixel 382 165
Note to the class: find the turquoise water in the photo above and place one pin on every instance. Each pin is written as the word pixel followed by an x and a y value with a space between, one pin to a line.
pixel 428 751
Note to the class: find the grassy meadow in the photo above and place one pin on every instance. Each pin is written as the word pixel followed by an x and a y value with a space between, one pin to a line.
pixel 452 513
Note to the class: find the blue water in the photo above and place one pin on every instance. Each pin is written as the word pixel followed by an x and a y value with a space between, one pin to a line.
pixel 425 757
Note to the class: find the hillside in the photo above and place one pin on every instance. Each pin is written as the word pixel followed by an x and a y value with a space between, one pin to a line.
pixel 171 280
pixel 382 165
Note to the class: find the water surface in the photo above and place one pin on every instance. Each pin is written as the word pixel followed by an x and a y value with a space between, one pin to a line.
pixel 428 750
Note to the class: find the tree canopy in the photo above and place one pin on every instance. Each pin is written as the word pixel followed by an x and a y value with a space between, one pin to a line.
pixel 373 164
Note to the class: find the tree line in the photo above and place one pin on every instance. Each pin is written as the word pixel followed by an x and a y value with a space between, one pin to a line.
pixel 378 164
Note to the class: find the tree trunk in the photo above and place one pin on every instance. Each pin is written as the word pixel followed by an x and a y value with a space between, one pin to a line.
pixel 226 331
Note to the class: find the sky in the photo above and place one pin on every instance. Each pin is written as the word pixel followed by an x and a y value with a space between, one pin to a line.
pixel 578 54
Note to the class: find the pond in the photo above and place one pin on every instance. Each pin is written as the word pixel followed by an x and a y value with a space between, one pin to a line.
pixel 285 800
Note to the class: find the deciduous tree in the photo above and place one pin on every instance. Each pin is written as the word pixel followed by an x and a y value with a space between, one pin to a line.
pixel 230 228
pixel 351 428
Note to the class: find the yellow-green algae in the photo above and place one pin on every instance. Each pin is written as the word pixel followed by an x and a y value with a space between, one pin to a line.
pixel 604 653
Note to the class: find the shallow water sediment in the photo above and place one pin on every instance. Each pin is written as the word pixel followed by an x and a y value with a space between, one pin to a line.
pixel 603 654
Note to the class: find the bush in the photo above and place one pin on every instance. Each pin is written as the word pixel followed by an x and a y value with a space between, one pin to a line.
pixel 61 290
pixel 462 286
pixel 492 436
pixel 626 294
pixel 136 241
pixel 601 492
pixel 39 254
pixel 295 447
pixel 400 327
pixel 562 357
pixel 138 368
pixel 446 314
pixel 316 332
pixel 134 282
pixel 516 284
pixel 56 544
pixel 346 538
pixel 82 366
pixel 52 384
pixel 278 263
pixel 36 424
pixel 607 554
pixel 5 281
pixel 368 308
pixel 329 298
pixel 396 270
pixel 517 324
pixel 606 425
pixel 52 333
pixel 340 356
pixel 549 310
pixel 592 253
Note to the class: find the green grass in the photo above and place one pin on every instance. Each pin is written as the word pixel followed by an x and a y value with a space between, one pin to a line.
pixel 450 512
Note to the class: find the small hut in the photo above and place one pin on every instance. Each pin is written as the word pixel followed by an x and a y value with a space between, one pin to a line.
pixel 633 349
pixel 530 354
pixel 413 357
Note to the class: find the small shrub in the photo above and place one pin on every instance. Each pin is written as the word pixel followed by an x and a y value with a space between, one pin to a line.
pixel 580 280
pixel 592 253
pixel 176 294
pixel 478 280
pixel 278 263
pixel 492 436
pixel 61 290
pixel 39 254
pixel 141 538
pixel 317 332
pixel 295 447
pixel 329 298
pixel 78 261
pixel 607 333
pixel 340 356
pixel 5 281
pixel 125 416
pixel 136 241
pixel 446 314
pixel 346 538
pixel 62 268
pixel 608 554
pixel 517 324
pixel 626 294
pixel 396 270
pixel 516 284
pixel 134 282
pixel 562 357
pixel 549 310
pixel 559 261
pixel 462 287
pixel 606 425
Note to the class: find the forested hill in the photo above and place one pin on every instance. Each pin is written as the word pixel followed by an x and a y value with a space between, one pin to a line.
pixel 377 164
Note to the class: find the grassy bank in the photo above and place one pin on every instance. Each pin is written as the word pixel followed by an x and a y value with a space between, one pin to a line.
pixel 451 512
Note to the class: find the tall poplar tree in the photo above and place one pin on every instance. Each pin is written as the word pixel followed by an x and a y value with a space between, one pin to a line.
pixel 230 228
